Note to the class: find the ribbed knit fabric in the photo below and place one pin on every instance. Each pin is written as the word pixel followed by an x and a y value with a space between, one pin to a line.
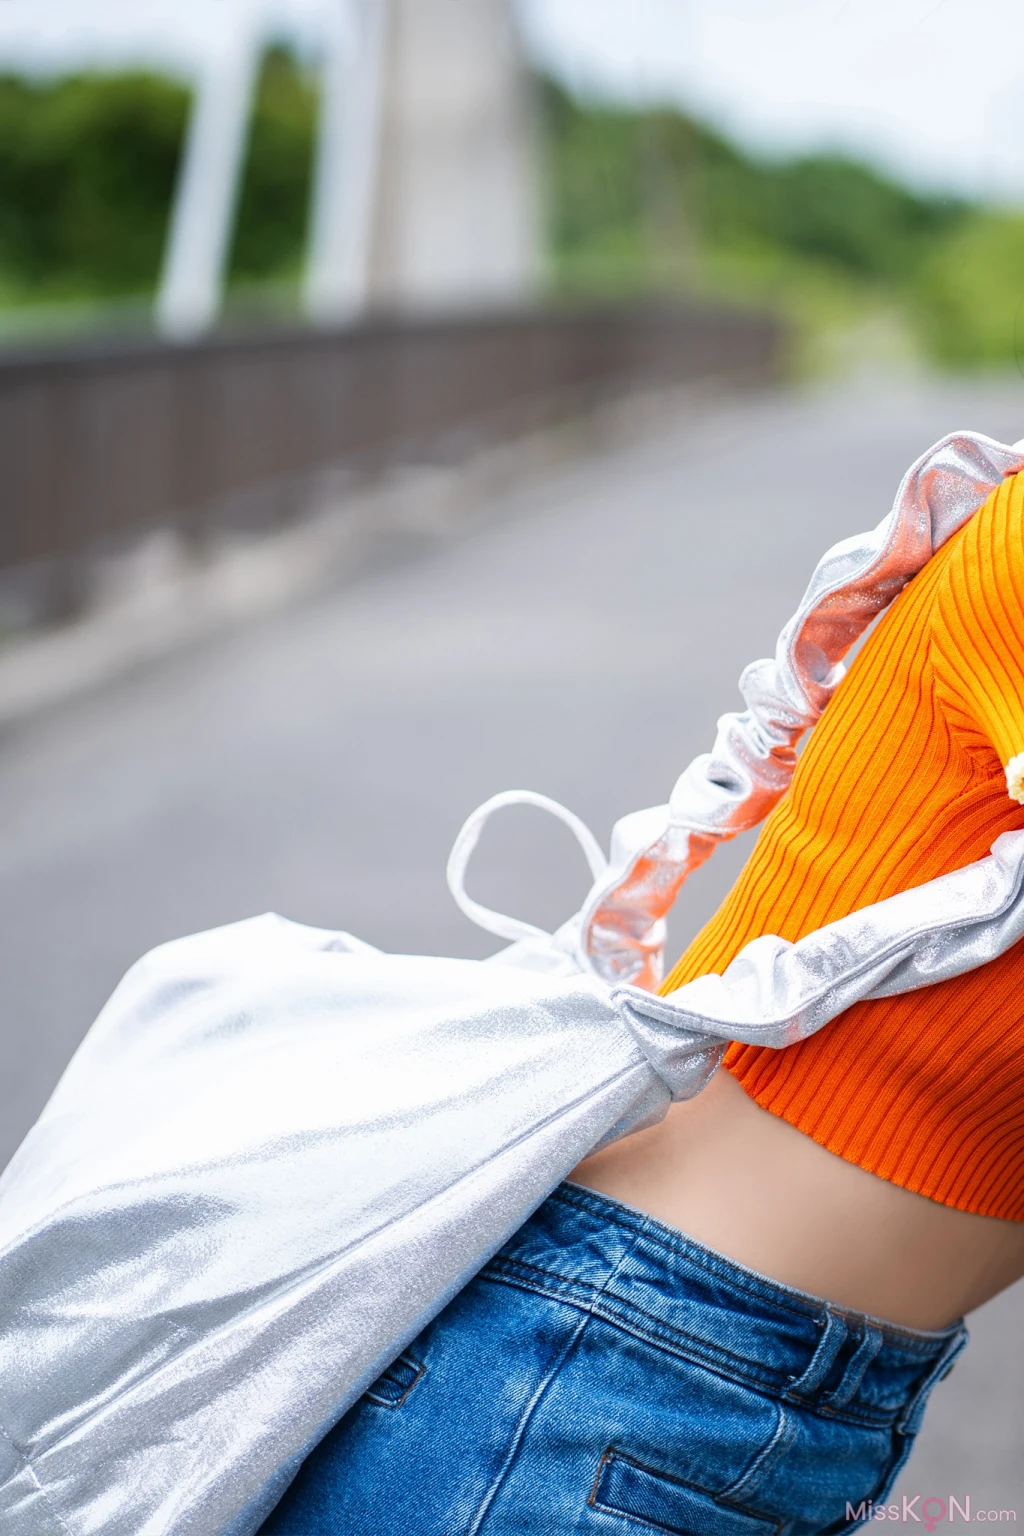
pixel 904 779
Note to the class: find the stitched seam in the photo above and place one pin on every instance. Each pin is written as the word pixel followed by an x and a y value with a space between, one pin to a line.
pixel 498 1262
pixel 856 1369
pixel 397 1402
pixel 629 1308
pixel 860 1417
pixel 536 1400
pixel 909 1420
pixel 30 1469
pixel 623 1514
pixel 668 1333
pixel 656 1525
pixel 521 1428
pixel 793 1306
pixel 780 1298
pixel 592 1496
pixel 785 1433
pixel 806 1389
pixel 722 1500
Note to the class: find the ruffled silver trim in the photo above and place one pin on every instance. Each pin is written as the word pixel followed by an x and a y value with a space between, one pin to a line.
pixel 621 926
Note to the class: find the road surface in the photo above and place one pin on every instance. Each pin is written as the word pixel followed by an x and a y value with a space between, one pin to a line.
pixel 581 639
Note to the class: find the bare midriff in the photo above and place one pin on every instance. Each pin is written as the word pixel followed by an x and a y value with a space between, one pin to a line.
pixel 878 1163
pixel 746 1183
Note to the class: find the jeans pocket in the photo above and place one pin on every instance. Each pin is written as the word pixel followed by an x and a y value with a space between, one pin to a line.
pixel 625 1487
pixel 859 1509
pixel 393 1387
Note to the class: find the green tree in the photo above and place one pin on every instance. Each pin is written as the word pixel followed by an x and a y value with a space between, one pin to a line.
pixel 832 209
pixel 970 292
pixel 87 171
pixel 88 167
pixel 824 208
pixel 270 232
pixel 642 200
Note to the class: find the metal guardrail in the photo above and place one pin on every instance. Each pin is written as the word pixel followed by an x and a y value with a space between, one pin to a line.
pixel 99 444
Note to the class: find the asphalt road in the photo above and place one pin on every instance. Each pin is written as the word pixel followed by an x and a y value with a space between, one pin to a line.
pixel 580 639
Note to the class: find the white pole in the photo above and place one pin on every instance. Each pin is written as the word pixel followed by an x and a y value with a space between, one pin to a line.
pixel 207 192
pixel 345 179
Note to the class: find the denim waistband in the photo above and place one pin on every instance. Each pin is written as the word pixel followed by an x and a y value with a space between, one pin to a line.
pixel 654 1282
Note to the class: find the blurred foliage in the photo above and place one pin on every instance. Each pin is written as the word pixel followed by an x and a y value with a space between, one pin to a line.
pixel 971 292
pixel 87 169
pixel 87 172
pixel 639 201
pixel 643 201
pixel 270 232
pixel 620 180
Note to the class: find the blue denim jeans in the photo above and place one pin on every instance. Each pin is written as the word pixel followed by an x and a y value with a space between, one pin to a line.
pixel 606 1374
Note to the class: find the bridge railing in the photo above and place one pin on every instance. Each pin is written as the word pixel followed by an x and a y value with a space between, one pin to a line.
pixel 101 443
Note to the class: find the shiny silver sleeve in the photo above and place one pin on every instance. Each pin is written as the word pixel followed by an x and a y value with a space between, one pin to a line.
pixel 775 993
pixel 732 788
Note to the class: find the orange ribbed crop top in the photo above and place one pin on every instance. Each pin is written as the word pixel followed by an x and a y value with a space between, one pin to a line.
pixel 905 778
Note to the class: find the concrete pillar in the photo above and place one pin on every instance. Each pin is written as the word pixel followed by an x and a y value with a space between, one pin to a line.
pixel 457 223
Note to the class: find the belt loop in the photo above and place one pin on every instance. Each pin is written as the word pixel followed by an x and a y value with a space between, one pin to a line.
pixel 831 1342
pixel 909 1421
pixel 858 1363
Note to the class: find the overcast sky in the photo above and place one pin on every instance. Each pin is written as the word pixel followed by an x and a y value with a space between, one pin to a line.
pixel 933 89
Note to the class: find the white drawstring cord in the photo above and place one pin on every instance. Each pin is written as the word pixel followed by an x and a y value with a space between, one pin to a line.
pixel 498 923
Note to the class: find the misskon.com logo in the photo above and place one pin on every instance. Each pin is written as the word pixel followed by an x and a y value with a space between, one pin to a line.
pixel 929 1511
